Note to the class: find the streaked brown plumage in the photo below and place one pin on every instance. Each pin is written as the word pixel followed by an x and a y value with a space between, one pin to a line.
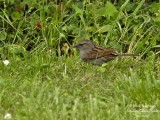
pixel 96 55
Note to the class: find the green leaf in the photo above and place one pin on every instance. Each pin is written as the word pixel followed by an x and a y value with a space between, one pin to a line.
pixel 156 46
pixel 110 9
pixel 138 7
pixel 102 69
pixel 157 20
pixel 61 35
pixel 3 35
pixel 78 10
pixel 16 15
pixel 115 44
pixel 100 12
pixel 105 28
pixel 154 8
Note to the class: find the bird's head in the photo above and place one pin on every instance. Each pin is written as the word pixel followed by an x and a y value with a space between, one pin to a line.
pixel 85 45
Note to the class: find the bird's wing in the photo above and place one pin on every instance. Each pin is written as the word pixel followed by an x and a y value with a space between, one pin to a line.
pixel 100 52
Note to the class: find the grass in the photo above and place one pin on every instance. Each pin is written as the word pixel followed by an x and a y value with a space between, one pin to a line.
pixel 42 87
pixel 38 84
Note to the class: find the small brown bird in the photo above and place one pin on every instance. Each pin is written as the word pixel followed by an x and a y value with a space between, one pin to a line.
pixel 96 55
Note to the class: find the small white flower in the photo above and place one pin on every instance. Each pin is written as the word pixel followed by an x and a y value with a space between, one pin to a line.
pixel 7 116
pixel 6 62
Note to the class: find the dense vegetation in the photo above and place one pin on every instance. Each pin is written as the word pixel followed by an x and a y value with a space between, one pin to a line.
pixel 45 78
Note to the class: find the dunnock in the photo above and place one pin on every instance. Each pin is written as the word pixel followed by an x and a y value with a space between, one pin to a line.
pixel 96 55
